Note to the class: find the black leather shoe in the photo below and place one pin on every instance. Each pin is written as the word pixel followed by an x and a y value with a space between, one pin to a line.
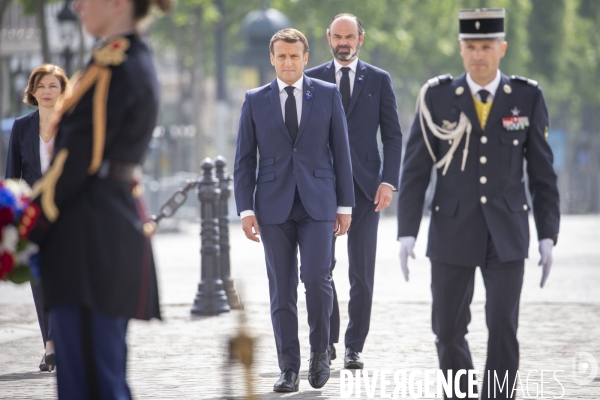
pixel 332 353
pixel 288 381
pixel 352 359
pixel 318 369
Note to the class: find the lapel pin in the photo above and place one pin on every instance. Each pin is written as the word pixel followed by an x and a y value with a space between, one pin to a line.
pixel 308 95
pixel 459 90
pixel 369 95
pixel 507 89
pixel 360 78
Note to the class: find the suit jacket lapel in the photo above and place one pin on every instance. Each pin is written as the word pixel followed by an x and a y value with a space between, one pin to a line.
pixel 501 102
pixel 330 72
pixel 34 131
pixel 359 81
pixel 307 101
pixel 464 102
pixel 276 106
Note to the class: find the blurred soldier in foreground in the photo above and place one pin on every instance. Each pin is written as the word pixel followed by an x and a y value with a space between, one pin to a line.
pixel 477 130
pixel 96 260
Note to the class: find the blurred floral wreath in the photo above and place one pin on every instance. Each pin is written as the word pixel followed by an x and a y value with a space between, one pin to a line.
pixel 19 258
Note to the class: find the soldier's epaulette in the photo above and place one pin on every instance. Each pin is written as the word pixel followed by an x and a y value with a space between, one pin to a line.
pixel 440 80
pixel 524 80
pixel 112 53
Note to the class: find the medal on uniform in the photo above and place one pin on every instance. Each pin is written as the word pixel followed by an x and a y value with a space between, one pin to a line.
pixel 515 123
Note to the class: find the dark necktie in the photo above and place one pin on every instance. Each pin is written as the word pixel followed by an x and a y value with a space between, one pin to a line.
pixel 345 88
pixel 291 115
pixel 483 95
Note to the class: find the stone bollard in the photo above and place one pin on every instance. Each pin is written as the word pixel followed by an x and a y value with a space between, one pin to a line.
pixel 226 186
pixel 210 298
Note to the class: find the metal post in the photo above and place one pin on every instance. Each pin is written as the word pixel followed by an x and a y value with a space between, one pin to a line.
pixel 210 298
pixel 226 186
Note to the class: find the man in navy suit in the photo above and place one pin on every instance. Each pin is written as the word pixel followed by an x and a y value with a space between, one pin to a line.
pixel 369 104
pixel 301 196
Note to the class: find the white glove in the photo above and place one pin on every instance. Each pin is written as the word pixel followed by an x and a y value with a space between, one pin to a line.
pixel 546 258
pixel 407 245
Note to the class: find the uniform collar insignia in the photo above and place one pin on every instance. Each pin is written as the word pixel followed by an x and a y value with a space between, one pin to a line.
pixel 112 53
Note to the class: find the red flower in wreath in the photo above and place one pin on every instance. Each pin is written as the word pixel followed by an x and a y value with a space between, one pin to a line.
pixel 7 262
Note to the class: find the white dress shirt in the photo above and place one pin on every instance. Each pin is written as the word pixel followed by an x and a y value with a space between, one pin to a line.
pixel 46 150
pixel 490 87
pixel 298 85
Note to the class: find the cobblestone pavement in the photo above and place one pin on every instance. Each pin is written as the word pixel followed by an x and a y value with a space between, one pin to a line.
pixel 186 358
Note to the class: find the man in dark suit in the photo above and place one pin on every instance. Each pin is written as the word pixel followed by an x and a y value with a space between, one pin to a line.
pixel 301 195
pixel 369 104
pixel 479 211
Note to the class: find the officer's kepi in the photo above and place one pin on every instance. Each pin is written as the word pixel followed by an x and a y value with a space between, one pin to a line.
pixel 481 23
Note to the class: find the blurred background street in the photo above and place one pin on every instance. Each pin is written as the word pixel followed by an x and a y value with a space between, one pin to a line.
pixel 186 357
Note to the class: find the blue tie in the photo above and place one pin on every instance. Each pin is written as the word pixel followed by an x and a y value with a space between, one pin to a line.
pixel 345 88
pixel 291 115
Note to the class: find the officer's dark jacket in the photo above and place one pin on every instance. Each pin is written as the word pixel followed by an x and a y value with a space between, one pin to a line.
pixel 23 160
pixel 465 210
pixel 372 107
pixel 94 251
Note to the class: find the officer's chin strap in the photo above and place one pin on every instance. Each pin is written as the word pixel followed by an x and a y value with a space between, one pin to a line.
pixel 456 134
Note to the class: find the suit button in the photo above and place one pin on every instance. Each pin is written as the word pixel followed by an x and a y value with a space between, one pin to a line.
pixel 483 199
pixel 525 207
pixel 483 159
pixel 295 150
pixel 437 208
pixel 483 180
pixel 515 142
pixel 484 139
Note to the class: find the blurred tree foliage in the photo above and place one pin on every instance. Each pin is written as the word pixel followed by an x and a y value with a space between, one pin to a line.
pixel 556 42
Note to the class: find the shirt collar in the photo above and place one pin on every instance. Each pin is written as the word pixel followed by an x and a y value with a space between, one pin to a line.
pixel 490 87
pixel 282 85
pixel 352 65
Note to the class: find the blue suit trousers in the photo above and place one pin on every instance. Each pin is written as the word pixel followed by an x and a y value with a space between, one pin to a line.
pixel 281 243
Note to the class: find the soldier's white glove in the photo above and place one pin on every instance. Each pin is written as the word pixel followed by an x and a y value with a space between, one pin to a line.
pixel 546 258
pixel 407 246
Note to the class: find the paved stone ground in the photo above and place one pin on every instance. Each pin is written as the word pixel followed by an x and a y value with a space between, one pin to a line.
pixel 186 358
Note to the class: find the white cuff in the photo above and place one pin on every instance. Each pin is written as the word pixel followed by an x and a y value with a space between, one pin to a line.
pixel 390 185
pixel 246 213
pixel 344 210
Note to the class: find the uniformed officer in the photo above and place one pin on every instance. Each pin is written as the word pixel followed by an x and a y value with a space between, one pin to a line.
pixel 97 269
pixel 477 130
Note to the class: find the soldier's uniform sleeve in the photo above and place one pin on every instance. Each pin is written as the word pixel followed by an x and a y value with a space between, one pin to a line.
pixel 414 177
pixel 96 108
pixel 542 177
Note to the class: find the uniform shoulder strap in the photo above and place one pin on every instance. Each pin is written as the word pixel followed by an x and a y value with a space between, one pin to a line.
pixel 440 80
pixel 524 80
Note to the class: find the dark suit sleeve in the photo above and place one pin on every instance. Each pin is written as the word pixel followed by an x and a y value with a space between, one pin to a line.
pixel 340 148
pixel 244 173
pixel 542 178
pixel 14 159
pixel 414 179
pixel 391 134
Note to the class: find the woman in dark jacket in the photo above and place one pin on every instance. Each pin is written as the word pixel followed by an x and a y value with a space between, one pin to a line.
pixel 95 254
pixel 29 154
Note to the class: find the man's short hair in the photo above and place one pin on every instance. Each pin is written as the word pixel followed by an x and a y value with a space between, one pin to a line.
pixel 289 35
pixel 361 31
